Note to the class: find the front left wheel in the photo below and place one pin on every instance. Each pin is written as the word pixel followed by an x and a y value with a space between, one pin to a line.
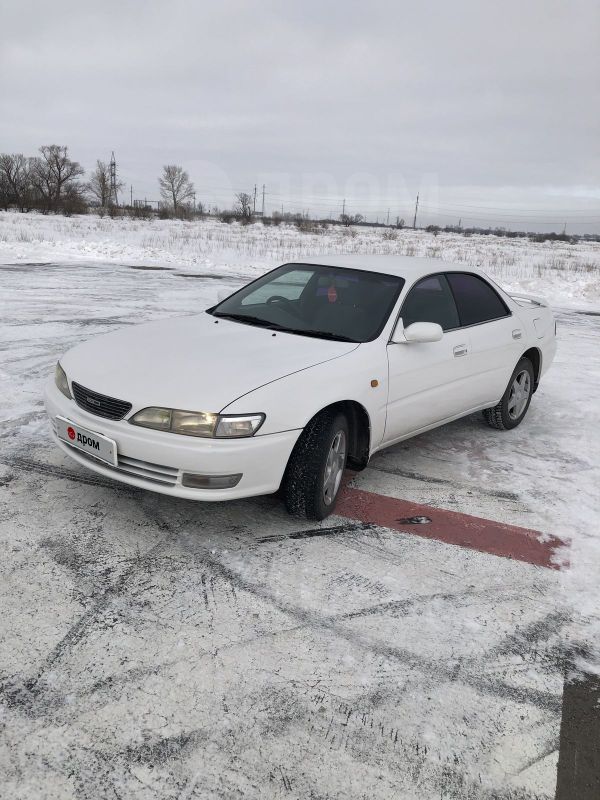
pixel 314 472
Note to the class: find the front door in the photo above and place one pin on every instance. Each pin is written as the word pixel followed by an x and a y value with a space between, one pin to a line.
pixel 428 381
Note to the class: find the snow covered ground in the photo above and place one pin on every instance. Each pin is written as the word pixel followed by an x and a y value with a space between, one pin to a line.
pixel 566 274
pixel 159 648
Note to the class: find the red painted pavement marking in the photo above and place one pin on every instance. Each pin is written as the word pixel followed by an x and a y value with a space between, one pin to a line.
pixel 476 533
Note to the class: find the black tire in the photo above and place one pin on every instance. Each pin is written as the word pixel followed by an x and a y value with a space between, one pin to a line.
pixel 499 416
pixel 304 477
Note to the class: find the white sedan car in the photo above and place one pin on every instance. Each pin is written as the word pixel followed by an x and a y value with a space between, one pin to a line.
pixel 312 367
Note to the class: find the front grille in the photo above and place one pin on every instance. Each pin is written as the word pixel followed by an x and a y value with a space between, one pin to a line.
pixel 99 404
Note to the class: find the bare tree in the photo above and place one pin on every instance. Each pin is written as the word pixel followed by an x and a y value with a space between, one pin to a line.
pixel 55 176
pixel 5 193
pixel 175 185
pixel 243 205
pixel 73 200
pixel 348 219
pixel 99 184
pixel 15 178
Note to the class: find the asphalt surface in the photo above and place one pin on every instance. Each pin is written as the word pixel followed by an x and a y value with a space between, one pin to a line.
pixel 160 648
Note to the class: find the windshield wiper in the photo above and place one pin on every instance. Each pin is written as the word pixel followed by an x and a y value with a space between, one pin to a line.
pixel 249 320
pixel 263 323
pixel 337 337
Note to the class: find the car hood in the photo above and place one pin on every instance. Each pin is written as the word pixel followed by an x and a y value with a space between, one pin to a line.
pixel 192 363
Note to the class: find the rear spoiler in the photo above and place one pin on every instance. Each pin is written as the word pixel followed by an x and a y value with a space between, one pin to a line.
pixel 527 299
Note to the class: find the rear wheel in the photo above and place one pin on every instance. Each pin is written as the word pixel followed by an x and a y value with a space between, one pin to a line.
pixel 511 409
pixel 314 472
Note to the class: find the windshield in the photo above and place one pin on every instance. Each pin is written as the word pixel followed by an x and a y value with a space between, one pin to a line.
pixel 313 300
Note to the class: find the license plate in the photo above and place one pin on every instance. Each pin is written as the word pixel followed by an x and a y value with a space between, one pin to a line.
pixel 90 442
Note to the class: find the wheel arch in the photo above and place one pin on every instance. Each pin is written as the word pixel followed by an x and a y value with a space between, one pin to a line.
pixel 359 424
pixel 534 354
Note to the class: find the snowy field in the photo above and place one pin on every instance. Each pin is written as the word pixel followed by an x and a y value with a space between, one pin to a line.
pixel 157 648
pixel 565 274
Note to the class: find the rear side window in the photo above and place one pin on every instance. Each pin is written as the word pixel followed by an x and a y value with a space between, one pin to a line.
pixel 430 300
pixel 475 299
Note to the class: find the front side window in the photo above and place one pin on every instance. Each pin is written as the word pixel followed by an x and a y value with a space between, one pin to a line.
pixel 315 300
pixel 430 300
pixel 475 299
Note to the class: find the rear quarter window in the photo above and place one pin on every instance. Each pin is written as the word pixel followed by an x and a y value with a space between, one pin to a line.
pixel 475 299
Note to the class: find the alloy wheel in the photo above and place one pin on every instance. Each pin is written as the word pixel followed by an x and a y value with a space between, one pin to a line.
pixel 334 468
pixel 519 394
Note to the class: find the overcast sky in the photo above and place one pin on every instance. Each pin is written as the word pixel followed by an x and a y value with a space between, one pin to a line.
pixel 473 103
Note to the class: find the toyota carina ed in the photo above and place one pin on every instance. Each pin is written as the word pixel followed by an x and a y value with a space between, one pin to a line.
pixel 311 367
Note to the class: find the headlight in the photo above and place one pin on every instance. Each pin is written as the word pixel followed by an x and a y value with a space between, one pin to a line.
pixel 198 423
pixel 193 423
pixel 60 379
pixel 157 418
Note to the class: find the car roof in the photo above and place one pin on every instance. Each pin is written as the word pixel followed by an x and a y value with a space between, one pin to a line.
pixel 408 267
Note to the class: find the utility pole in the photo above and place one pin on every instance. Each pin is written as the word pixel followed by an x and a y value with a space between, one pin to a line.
pixel 416 209
pixel 254 201
pixel 388 217
pixel 344 207
pixel 113 180
pixel 131 195
pixel 263 202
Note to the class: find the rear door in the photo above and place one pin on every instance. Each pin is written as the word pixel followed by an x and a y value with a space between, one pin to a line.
pixel 427 380
pixel 496 336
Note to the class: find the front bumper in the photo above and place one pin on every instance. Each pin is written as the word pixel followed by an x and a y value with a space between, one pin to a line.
pixel 155 460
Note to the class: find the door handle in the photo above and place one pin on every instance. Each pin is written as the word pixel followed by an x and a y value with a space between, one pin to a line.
pixel 460 350
pixel 517 334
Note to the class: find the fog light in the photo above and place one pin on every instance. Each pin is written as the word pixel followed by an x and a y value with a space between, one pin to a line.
pixel 193 481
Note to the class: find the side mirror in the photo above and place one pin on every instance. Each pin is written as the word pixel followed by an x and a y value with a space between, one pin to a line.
pixel 419 332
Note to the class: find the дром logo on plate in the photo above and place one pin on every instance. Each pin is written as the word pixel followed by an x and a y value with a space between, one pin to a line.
pixel 71 433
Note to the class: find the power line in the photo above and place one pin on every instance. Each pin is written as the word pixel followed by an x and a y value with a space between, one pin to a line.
pixel 483 208
pixel 450 204
pixel 515 208
pixel 441 208
pixel 482 211
pixel 435 207
pixel 489 215
pixel 492 220
pixel 489 220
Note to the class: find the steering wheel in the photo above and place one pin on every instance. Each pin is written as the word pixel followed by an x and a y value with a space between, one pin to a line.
pixel 276 298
